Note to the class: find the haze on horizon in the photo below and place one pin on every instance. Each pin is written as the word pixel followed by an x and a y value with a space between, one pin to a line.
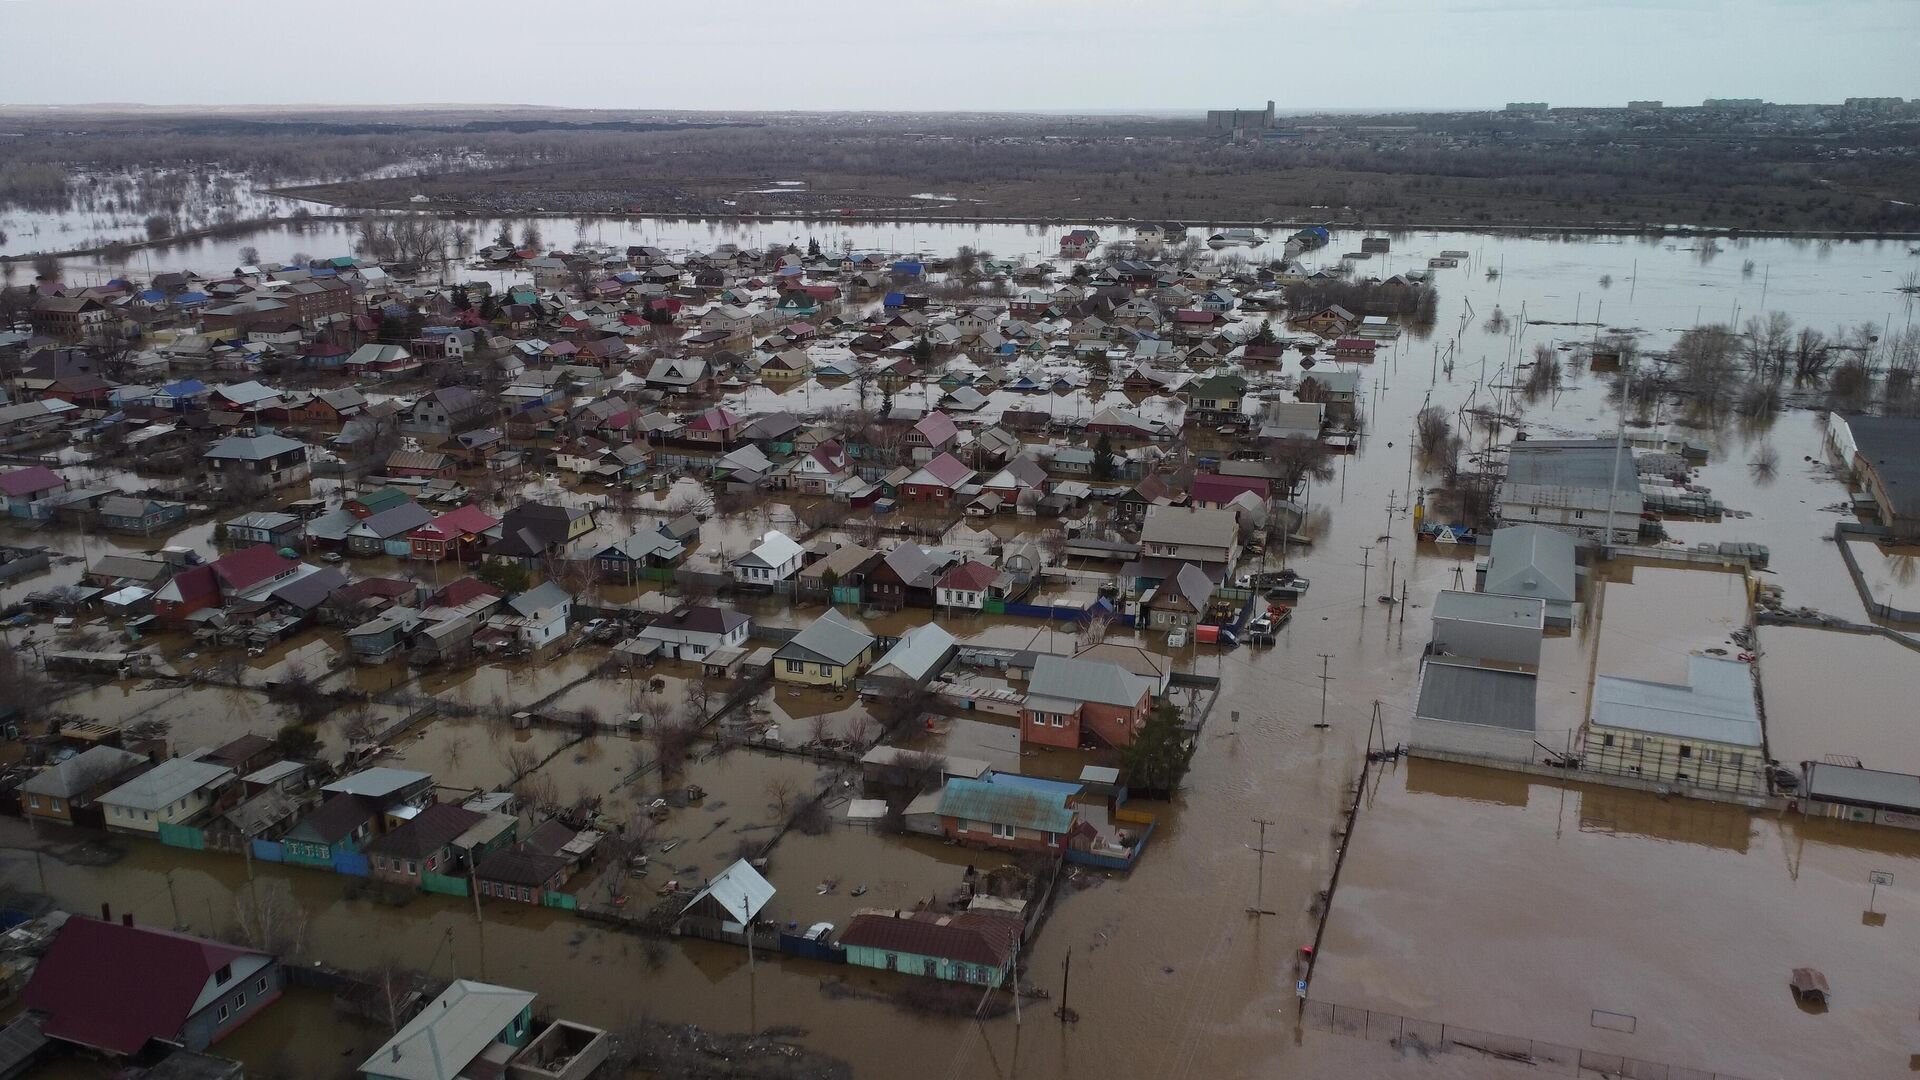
pixel 962 55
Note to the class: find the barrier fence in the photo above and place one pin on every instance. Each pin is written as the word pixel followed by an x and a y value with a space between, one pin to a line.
pixel 1432 1037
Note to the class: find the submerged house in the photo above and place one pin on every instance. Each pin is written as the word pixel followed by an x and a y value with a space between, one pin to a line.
pixel 1705 733
pixel 971 946
pixel 832 651
pixel 117 988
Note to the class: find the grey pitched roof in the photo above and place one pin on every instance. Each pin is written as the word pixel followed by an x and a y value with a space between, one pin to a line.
pixel 540 598
pixel 252 447
pixel 917 651
pixel 80 772
pixel 1207 528
pixel 830 638
pixel 1066 679
pixel 166 783
pixel 1531 560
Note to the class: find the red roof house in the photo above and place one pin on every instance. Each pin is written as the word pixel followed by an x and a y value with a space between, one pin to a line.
pixel 188 592
pixel 117 987
pixel 243 571
pixel 937 479
pixel 454 534
pixel 1211 491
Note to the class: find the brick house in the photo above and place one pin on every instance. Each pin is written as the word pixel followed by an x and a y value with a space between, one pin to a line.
pixel 1070 702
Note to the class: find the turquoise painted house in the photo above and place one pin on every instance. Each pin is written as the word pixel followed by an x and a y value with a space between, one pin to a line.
pixel 975 947
pixel 340 826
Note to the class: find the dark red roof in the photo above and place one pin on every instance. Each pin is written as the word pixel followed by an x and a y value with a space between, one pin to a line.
pixel 971 576
pixel 463 590
pixel 970 937
pixel 116 987
pixel 27 481
pixel 456 523
pixel 196 583
pixel 1209 487
pixel 243 569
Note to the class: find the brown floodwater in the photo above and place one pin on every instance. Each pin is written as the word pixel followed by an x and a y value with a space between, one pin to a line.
pixel 1842 694
pixel 1686 916
pixel 1171 978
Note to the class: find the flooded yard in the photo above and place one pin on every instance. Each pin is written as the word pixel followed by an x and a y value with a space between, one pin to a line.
pixel 1840 695
pixel 1616 921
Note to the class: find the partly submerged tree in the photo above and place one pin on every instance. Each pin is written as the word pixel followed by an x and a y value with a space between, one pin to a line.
pixel 1160 753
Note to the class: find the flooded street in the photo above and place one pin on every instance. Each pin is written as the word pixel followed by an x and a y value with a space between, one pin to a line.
pixel 1451 903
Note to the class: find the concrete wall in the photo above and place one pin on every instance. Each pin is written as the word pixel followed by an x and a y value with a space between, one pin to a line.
pixel 1480 740
pixel 1519 645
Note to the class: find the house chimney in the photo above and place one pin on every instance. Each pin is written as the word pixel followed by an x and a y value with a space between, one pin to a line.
pixel 106 912
pixel 127 919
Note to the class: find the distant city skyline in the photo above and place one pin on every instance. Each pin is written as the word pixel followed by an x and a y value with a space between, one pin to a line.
pixel 1114 56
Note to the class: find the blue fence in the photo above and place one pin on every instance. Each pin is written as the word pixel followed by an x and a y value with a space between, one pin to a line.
pixel 1051 612
pixel 1114 862
pixel 269 851
pixel 351 862
pixel 795 945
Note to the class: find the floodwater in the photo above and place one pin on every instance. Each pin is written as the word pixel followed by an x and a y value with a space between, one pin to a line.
pixel 1686 916
pixel 1170 976
pixel 1849 695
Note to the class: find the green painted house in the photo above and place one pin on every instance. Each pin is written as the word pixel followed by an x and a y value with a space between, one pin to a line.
pixel 976 947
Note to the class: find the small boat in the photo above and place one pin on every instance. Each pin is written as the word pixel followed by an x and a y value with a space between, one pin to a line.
pixel 1809 986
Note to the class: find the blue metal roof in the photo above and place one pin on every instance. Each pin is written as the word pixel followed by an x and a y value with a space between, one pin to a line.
pixel 1004 804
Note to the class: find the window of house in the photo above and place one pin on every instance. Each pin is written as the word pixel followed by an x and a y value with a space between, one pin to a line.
pixel 796 667
pixel 221 1016
pixel 1003 832
pixel 221 976
pixel 33 801
pixel 1606 740
pixel 239 1001
pixel 261 986
pixel 413 867
pixel 1685 750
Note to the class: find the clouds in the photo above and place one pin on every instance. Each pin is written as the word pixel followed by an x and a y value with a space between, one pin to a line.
pixel 960 54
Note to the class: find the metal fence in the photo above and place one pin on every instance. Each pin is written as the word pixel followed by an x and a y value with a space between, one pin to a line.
pixel 1429 1037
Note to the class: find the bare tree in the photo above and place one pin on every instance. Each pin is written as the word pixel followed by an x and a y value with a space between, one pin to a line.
pixel 1705 355
pixel 268 918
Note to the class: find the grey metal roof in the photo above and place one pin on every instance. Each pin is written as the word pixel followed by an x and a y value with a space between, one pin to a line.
pixel 446 1036
pixel 1489 697
pixel 1890 445
pixel 542 597
pixel 375 782
pixel 1577 463
pixel 917 651
pixel 1843 783
pixel 252 447
pixel 1067 679
pixel 1532 560
pixel 739 890
pixel 166 783
pixel 81 771
pixel 1716 705
pixel 1525 612
pixel 831 638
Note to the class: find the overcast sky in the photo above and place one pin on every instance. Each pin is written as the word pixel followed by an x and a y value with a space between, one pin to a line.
pixel 956 54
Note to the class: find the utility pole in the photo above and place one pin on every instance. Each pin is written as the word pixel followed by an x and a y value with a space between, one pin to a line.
pixel 1260 881
pixel 1366 554
pixel 1066 977
pixel 173 900
pixel 1324 680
